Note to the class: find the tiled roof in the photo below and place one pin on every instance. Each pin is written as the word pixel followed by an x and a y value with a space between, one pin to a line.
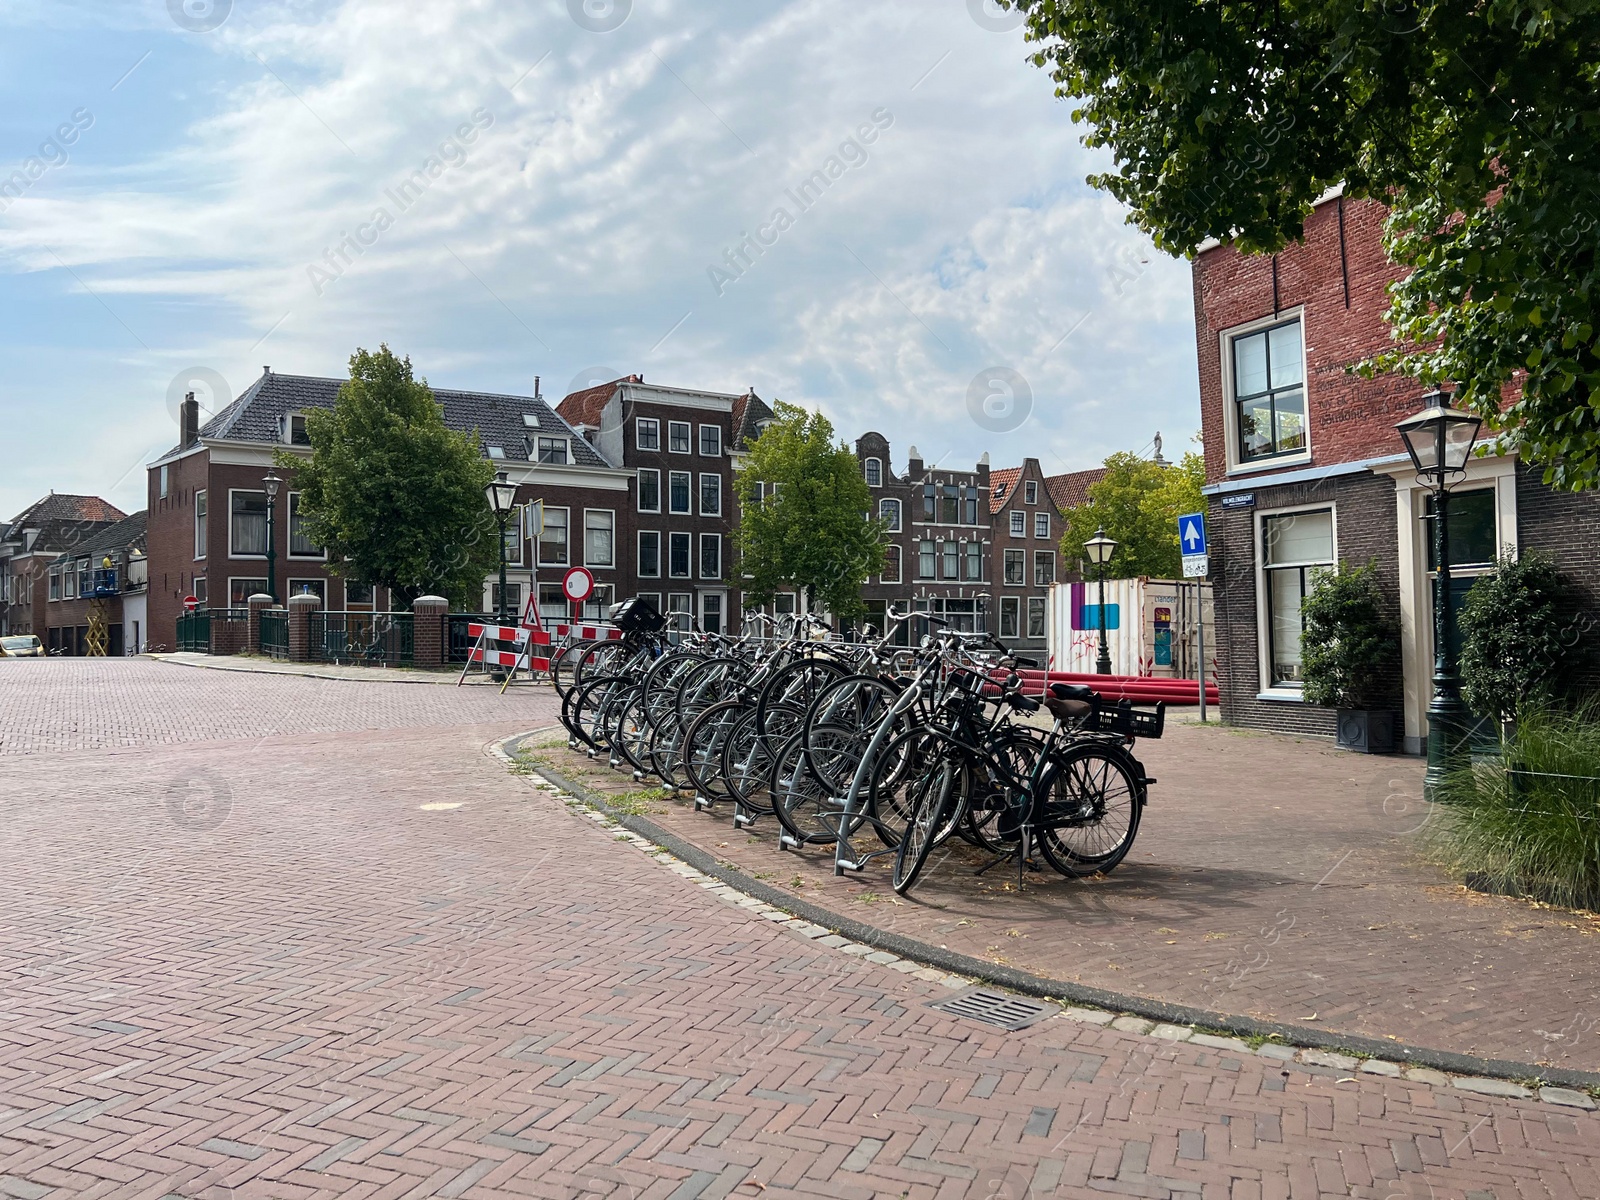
pixel 585 407
pixel 1001 484
pixel 749 410
pixel 254 416
pixel 59 506
pixel 1072 489
pixel 129 531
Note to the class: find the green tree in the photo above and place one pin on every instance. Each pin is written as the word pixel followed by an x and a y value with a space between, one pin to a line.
pixel 805 516
pixel 1349 643
pixel 1138 503
pixel 394 494
pixel 1522 632
pixel 1475 123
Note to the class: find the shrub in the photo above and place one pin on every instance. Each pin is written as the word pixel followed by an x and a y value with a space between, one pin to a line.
pixel 1529 822
pixel 1349 643
pixel 1520 643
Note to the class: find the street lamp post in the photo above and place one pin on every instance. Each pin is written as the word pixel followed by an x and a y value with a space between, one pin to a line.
pixel 270 485
pixel 502 496
pixel 1100 548
pixel 1439 440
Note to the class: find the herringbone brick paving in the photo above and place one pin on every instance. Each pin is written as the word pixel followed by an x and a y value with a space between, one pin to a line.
pixel 260 967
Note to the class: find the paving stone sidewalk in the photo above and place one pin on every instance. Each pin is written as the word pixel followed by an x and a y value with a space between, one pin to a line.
pixel 1273 877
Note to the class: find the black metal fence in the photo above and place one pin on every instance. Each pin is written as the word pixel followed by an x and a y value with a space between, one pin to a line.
pixel 275 634
pixel 362 639
pixel 194 631
pixel 458 642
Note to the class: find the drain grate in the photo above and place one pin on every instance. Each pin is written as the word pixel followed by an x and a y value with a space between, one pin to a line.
pixel 1000 1009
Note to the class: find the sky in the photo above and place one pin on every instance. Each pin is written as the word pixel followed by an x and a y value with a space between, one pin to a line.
pixel 878 210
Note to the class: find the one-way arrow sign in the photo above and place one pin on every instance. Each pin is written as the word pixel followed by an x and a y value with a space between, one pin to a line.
pixel 1192 534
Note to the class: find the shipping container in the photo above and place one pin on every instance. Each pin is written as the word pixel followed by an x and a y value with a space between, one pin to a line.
pixel 1151 627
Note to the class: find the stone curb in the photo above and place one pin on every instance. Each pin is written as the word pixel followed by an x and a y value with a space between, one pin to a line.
pixel 1321 1050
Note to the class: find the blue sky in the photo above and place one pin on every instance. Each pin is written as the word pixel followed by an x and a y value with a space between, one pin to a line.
pixel 597 199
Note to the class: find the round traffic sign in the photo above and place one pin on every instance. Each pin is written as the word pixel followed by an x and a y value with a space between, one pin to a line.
pixel 577 584
pixel 191 602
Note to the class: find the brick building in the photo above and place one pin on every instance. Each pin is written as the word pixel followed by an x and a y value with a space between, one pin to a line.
pixel 32 541
pixel 97 591
pixel 1304 468
pixel 1026 529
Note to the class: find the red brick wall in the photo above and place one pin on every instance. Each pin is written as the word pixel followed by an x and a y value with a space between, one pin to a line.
pixel 170 543
pixel 1350 418
pixel 1016 500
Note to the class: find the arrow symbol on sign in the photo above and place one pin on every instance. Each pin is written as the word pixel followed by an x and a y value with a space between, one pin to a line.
pixel 1191 535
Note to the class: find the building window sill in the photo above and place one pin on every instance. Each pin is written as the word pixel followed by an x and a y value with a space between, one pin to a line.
pixel 1270 464
pixel 1283 695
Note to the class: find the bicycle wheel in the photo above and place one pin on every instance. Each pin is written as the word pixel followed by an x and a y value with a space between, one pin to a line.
pixel 998 796
pixel 1088 809
pixel 564 666
pixel 749 755
pixel 931 795
pixel 795 686
pixel 589 703
pixel 850 710
pixel 804 806
pixel 703 744
pixel 633 734
pixel 661 683
pixel 900 763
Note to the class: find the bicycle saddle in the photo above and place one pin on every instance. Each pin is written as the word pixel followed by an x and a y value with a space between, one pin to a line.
pixel 1072 691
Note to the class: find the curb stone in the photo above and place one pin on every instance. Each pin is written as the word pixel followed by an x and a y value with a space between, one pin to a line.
pixel 1136 1014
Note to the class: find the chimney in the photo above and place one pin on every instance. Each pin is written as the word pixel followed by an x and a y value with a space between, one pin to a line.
pixel 537 394
pixel 189 421
pixel 914 463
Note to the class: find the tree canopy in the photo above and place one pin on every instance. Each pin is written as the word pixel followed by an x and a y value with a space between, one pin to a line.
pixel 1475 123
pixel 805 516
pixel 393 493
pixel 1138 503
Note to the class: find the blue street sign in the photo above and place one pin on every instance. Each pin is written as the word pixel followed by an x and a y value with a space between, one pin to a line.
pixel 1192 534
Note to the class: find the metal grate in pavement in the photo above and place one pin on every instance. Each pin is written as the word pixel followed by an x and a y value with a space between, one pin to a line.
pixel 999 1009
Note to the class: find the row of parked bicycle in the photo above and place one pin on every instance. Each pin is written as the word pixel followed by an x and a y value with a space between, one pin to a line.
pixel 832 739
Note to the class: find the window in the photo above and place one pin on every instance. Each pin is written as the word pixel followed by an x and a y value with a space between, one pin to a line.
pixel 711 494
pixel 301 546
pixel 55 583
pixel 1041 525
pixel 513 537
pixel 310 587
pixel 1010 611
pixel 649 490
pixel 248 527
pixel 293 430
pixel 678 555
pixel 197 589
pixel 357 595
pixel 891 565
pixel 952 560
pixel 925 559
pixel 999 491
pixel 199 524
pixel 1019 523
pixel 970 506
pixel 553 541
pixel 513 597
pixel 1030 492
pixel 711 612
pixel 679 618
pixel 874 470
pixel 928 502
pixel 678 437
pixel 710 556
pixel 240 591
pixel 678 485
pixel 1293 547
pixel 889 514
pixel 950 504
pixel 711 441
pixel 553 450
pixel 598 527
pixel 1473 540
pixel 649 553
pixel 1016 564
pixel 1036 616
pixel 495 452
pixel 647 434
pixel 85 578
pixel 653 599
pixel 552 600
pixel 164 480
pixel 974 561
pixel 1269 393
pixel 1044 568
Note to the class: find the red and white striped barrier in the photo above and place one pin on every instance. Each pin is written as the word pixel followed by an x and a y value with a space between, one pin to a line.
pixel 509 633
pixel 510 659
pixel 588 633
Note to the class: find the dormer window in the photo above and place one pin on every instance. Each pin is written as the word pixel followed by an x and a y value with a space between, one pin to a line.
pixel 553 450
pixel 292 429
pixel 496 452
pixel 999 491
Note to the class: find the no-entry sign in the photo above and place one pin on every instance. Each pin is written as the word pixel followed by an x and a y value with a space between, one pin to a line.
pixel 577 584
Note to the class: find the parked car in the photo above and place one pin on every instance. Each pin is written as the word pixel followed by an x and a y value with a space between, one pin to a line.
pixel 24 645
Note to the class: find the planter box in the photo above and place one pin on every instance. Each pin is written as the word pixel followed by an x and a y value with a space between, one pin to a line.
pixel 1365 731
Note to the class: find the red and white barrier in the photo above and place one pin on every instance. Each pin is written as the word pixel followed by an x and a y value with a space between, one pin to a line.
pixel 514 634
pixel 588 633
pixel 510 659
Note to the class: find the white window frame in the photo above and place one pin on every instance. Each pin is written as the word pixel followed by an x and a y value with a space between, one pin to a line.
pixel 701 495
pixel 1266 690
pixel 688 437
pixel 1019 523
pixel 288 510
pixel 233 579
pixel 372 590
pixel 639 490
pixel 1010 609
pixel 1044 556
pixel 700 557
pixel 538 449
pixel 639 561
pixel 672 538
pixel 197 589
pixel 202 531
pixel 514 538
pixel 603 566
pixel 688 510
pixel 1230 409
pixel 232 553
pixel 700 445
pixel 872 470
pixel 1005 562
pixel 886 506
pixel 1030 491
pixel 1036 604
pixel 291 585
pixel 539 553
pixel 1041 525
pixel 639 424
pixel 55 583
pixel 164 480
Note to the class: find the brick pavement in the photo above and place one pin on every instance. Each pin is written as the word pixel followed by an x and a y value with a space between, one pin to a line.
pixel 372 964
pixel 1273 876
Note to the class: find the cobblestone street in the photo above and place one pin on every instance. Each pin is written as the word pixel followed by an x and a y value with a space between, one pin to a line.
pixel 278 937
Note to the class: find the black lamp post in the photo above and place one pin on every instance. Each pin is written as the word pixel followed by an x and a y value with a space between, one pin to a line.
pixel 502 496
pixel 1439 440
pixel 270 485
pixel 1100 548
